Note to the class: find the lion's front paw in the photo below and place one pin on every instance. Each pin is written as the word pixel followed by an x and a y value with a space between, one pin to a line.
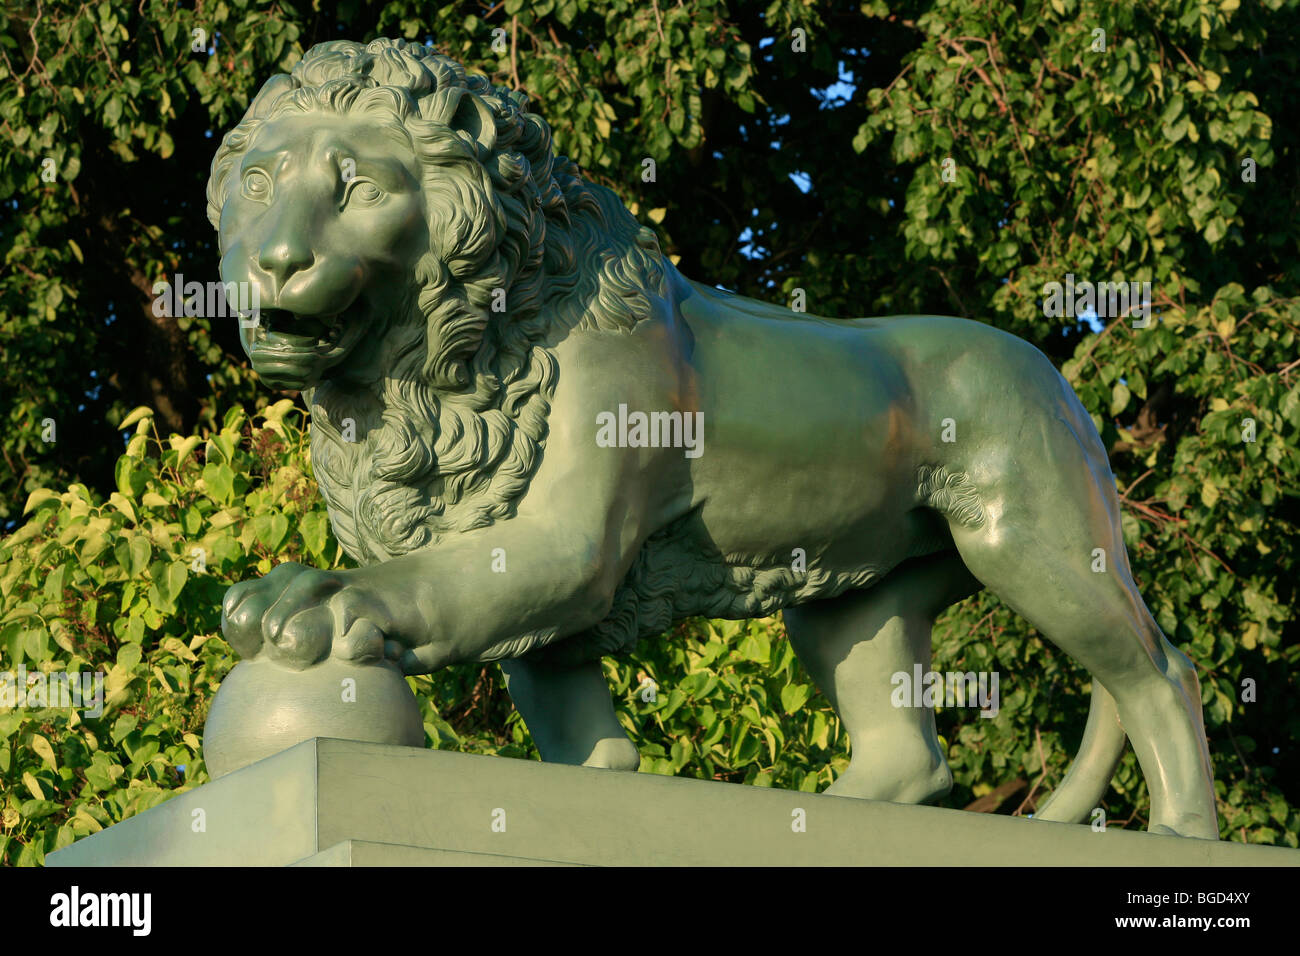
pixel 299 615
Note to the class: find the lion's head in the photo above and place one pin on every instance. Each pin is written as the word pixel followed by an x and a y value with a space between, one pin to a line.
pixel 417 246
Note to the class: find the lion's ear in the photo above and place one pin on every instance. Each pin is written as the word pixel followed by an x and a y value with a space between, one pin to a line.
pixel 270 93
pixel 475 118
pixel 464 112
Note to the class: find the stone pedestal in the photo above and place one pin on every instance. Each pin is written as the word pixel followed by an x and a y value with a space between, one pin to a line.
pixel 329 802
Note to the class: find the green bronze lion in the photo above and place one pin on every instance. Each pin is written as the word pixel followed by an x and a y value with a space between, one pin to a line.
pixel 464 313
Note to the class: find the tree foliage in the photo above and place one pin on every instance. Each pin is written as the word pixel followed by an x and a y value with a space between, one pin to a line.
pixel 798 148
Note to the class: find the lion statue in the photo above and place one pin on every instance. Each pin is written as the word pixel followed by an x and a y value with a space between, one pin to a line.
pixel 541 443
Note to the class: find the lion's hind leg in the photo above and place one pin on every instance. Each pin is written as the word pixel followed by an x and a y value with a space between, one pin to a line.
pixel 1051 547
pixel 852 646
pixel 569 712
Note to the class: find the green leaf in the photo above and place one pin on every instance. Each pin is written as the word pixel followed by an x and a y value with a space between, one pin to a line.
pixel 272 530
pixel 131 480
pixel 314 527
pixel 1173 109
pixel 137 414
pixel 39 497
pixel 745 747
pixel 33 785
pixel 220 479
pixel 794 696
pixel 42 748
pixel 1119 397
pixel 139 553
pixel 129 656
pixel 754 646
pixel 1209 494
pixel 38 809
pixel 168 580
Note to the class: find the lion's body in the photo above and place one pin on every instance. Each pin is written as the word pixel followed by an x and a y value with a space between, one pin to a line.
pixel 796 409
pixel 850 414
pixel 476 329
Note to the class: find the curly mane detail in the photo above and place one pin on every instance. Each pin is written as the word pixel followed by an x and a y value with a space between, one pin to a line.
pixel 451 426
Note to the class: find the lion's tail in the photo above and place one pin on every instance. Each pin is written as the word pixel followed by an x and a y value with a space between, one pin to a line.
pixel 1088 777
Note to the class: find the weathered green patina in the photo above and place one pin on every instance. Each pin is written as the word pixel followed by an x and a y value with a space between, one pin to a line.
pixel 543 443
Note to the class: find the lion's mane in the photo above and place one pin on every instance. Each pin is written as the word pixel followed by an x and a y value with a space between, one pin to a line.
pixel 453 426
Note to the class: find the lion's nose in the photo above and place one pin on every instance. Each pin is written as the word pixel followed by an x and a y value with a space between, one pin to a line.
pixel 286 251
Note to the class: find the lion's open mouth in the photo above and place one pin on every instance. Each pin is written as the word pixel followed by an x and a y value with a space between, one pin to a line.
pixel 293 350
pixel 283 331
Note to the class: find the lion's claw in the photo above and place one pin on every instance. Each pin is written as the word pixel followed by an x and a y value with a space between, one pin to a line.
pixel 299 616
pixel 363 643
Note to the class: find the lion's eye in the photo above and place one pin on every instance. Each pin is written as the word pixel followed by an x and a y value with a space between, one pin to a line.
pixel 257 185
pixel 363 192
